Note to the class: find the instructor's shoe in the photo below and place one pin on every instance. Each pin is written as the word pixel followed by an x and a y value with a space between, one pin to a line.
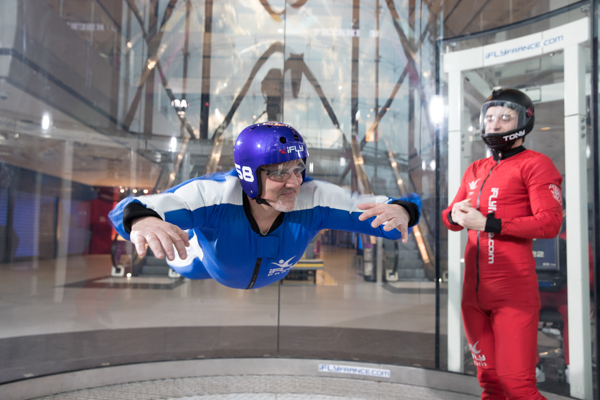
pixel 540 375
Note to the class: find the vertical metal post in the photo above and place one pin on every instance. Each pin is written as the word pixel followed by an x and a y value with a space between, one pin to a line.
pixel 595 147
pixel 413 155
pixel 455 245
pixel 186 169
pixel 36 220
pixel 438 213
pixel 92 19
pixel 354 106
pixel 355 63
pixel 206 59
pixel 379 252
pixel 186 58
pixel 10 201
pixel 64 215
pixel 116 75
pixel 376 108
pixel 132 169
pixel 379 261
pixel 578 285
pixel 126 54
pixel 150 81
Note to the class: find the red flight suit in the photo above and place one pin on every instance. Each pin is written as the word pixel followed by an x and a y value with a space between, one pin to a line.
pixel 520 195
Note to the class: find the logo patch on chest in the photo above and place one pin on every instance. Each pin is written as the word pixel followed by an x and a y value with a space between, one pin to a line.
pixel 473 185
pixel 283 267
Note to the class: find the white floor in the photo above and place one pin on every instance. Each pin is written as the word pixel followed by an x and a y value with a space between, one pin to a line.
pixel 35 301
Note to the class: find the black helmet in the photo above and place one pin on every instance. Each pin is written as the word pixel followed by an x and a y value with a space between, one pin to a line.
pixel 514 100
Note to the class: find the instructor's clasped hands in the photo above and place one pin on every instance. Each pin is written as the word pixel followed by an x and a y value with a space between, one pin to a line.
pixel 464 214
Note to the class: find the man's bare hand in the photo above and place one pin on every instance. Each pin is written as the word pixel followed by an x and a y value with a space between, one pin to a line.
pixel 458 208
pixel 393 215
pixel 161 236
pixel 464 214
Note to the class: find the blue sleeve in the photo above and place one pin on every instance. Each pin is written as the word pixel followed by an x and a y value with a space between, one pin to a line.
pixel 188 205
pixel 338 209
pixel 348 221
pixel 115 216
pixel 181 216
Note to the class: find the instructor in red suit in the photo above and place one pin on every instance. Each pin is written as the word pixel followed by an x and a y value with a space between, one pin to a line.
pixel 505 201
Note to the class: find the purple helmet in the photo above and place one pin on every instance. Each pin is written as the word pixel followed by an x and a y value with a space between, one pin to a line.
pixel 262 144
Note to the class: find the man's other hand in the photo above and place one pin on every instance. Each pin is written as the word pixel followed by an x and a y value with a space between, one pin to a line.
pixel 161 236
pixel 393 215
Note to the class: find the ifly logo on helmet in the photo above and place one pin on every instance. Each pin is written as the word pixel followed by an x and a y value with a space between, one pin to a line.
pixel 514 136
pixel 293 148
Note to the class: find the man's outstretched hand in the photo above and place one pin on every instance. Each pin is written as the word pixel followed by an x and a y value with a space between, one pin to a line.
pixel 393 215
pixel 161 236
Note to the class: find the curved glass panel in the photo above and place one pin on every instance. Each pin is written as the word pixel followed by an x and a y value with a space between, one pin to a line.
pixel 104 99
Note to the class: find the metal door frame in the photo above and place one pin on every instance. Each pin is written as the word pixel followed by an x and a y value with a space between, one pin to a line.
pixel 569 38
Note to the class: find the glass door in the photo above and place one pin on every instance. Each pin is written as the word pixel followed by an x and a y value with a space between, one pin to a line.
pixel 549 61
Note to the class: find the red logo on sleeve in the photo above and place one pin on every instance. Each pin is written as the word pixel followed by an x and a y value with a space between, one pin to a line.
pixel 556 193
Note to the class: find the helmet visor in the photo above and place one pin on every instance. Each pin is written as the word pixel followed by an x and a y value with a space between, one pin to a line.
pixel 499 116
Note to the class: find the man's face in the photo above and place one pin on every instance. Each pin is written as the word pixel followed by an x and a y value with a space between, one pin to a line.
pixel 281 184
pixel 500 119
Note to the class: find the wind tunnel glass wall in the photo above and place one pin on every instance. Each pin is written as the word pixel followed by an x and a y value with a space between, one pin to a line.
pixel 100 100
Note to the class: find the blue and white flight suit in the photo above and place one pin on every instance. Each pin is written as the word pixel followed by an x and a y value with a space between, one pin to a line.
pixel 226 243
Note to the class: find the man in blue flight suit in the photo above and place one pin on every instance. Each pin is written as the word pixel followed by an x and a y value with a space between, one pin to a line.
pixel 246 228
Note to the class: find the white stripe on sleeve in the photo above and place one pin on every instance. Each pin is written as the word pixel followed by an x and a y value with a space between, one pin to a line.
pixel 324 194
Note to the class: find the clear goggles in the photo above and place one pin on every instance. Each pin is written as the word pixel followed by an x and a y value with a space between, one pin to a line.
pixel 506 114
pixel 282 172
